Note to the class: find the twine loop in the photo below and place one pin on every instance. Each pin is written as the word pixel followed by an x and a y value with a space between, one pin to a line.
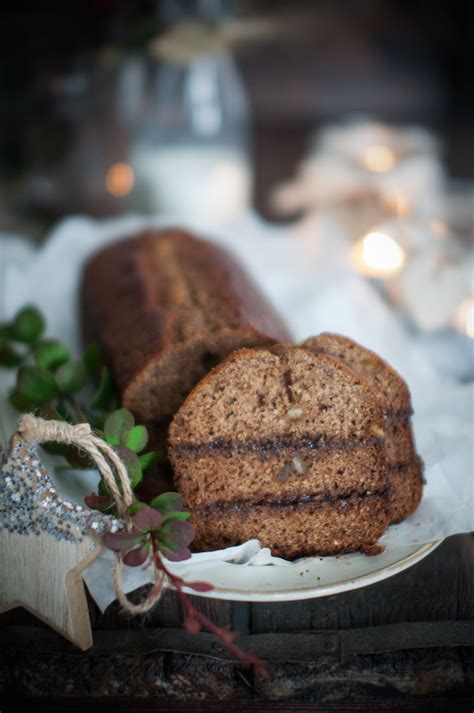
pixel 39 430
pixel 33 429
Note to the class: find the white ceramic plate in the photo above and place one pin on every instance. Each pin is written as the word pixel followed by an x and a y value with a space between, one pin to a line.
pixel 312 577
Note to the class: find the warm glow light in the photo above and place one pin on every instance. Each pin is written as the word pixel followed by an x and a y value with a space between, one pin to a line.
pixel 379 158
pixel 399 204
pixel 439 228
pixel 119 179
pixel 378 255
pixel 464 317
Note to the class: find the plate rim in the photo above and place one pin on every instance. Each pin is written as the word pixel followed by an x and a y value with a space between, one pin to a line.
pixel 314 592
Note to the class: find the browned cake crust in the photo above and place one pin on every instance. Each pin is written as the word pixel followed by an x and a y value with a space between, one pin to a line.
pixel 404 467
pixel 166 307
pixel 286 446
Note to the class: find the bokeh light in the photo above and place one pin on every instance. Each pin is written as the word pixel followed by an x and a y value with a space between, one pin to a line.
pixel 119 179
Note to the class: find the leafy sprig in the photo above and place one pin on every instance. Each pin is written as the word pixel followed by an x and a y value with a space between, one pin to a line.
pixel 50 382
pixel 165 521
pixel 56 386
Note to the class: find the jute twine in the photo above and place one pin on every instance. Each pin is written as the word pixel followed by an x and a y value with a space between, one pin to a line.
pixel 38 430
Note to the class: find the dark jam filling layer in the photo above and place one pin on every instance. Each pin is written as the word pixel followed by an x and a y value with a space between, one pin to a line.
pixel 304 500
pixel 277 444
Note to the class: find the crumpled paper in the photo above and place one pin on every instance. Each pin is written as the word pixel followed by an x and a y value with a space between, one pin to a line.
pixel 305 273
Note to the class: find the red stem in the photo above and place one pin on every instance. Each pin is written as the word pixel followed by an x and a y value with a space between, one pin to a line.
pixel 191 611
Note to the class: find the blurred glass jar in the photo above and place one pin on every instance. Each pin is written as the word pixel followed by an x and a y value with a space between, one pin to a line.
pixel 192 156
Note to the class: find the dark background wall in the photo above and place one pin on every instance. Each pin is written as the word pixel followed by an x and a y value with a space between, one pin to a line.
pixel 407 61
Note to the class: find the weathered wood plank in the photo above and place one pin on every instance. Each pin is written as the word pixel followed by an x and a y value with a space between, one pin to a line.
pixel 296 647
pixel 168 612
pixel 193 677
pixel 429 672
pixel 404 673
pixel 440 587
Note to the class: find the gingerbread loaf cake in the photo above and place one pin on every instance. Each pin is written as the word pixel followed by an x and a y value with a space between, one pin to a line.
pixel 404 467
pixel 166 307
pixel 286 446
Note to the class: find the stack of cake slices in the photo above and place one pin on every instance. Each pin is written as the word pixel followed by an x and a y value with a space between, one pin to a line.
pixel 307 448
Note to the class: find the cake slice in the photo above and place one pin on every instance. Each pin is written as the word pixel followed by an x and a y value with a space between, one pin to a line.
pixel 286 446
pixel 404 467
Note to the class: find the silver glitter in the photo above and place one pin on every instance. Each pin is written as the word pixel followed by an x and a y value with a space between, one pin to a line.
pixel 29 504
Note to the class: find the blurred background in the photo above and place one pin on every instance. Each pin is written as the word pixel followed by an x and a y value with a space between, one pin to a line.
pixel 360 110
pixel 79 86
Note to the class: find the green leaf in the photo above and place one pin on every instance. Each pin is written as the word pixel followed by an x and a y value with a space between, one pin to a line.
pixel 92 358
pixel 71 377
pixel 78 458
pixel 135 507
pixel 98 502
pixel 117 426
pixel 131 462
pixel 102 489
pixel 6 331
pixel 176 516
pixel 97 422
pixel 148 519
pixel 28 325
pixel 136 439
pixel 50 413
pixel 64 411
pixel 36 384
pixel 137 556
pixel 50 353
pixel 167 502
pixel 9 356
pixel 122 540
pixel 20 402
pixel 104 395
pixel 54 448
pixel 147 459
pixel 174 538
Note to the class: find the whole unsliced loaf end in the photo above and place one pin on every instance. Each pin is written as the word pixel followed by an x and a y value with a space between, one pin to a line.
pixel 166 307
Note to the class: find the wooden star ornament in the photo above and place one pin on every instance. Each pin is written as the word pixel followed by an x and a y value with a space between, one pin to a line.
pixel 45 543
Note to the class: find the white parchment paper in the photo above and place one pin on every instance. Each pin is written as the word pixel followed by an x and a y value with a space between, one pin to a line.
pixel 304 272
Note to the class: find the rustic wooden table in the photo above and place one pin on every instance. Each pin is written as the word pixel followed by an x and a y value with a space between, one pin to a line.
pixel 403 644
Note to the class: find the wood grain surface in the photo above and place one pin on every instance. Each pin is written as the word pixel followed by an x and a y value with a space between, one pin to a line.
pixel 398 644
pixel 43 575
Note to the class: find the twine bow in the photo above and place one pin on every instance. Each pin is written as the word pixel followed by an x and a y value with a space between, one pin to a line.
pixel 39 430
